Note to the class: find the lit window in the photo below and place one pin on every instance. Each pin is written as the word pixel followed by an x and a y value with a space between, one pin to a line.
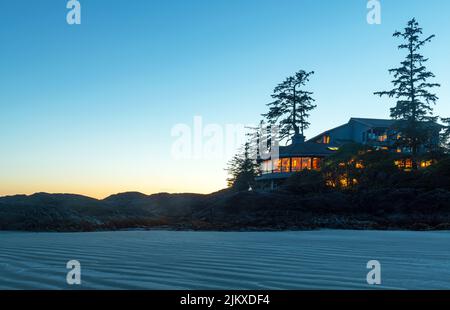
pixel 326 139
pixel 383 138
pixel 346 182
pixel 316 163
pixel 286 165
pixel 267 166
pixel 426 163
pixel 306 163
pixel 276 165
pixel 405 164
pixel 408 163
pixel 296 164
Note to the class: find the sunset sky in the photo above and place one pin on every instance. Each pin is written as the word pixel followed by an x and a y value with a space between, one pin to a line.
pixel 89 108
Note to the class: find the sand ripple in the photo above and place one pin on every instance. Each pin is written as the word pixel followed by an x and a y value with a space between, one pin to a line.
pixel 214 260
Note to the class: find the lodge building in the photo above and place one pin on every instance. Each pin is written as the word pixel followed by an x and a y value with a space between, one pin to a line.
pixel 301 154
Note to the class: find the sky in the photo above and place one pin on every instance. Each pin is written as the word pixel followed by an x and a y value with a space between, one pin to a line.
pixel 91 108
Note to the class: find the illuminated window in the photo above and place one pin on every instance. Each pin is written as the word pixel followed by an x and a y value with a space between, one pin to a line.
pixel 296 164
pixel 426 163
pixel 408 163
pixel 306 163
pixel 316 163
pixel 346 182
pixel 276 165
pixel 266 166
pixel 326 139
pixel 405 164
pixel 286 165
pixel 383 138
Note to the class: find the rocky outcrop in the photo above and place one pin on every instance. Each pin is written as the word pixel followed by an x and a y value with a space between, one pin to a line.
pixel 402 208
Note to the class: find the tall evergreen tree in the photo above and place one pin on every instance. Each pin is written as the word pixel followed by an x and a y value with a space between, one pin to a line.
pixel 242 169
pixel 412 89
pixel 292 105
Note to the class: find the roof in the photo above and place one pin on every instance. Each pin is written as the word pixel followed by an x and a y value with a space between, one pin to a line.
pixel 374 122
pixel 386 123
pixel 325 132
pixel 305 149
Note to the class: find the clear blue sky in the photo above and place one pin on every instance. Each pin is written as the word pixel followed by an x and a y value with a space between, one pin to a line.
pixel 89 109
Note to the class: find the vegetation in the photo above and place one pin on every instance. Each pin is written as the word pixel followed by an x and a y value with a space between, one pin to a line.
pixel 292 105
pixel 412 90
pixel 306 182
pixel 358 167
pixel 242 169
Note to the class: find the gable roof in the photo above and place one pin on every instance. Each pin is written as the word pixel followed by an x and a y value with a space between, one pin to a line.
pixel 374 122
pixel 325 132
pixel 306 149
pixel 387 123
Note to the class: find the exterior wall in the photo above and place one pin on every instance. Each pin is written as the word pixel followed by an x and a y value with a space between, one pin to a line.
pixel 436 139
pixel 336 135
pixel 352 131
pixel 357 130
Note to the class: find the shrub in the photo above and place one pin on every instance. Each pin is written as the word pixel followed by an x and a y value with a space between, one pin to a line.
pixel 307 181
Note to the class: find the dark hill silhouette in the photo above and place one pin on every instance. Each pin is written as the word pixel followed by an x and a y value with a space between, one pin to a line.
pixel 69 212
pixel 402 208
pixel 125 197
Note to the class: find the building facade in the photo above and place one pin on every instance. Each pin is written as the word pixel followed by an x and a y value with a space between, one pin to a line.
pixel 298 156
pixel 378 133
pixel 308 155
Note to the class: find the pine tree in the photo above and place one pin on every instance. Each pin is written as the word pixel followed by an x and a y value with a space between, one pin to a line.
pixel 292 105
pixel 242 169
pixel 412 90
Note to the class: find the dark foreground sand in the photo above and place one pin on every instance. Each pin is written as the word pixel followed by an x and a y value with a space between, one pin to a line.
pixel 220 260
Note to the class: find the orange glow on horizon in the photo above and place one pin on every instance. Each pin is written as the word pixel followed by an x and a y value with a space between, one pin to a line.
pixel 103 193
pixel 101 189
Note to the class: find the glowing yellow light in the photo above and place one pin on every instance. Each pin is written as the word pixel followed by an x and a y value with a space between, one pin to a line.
pixel 426 164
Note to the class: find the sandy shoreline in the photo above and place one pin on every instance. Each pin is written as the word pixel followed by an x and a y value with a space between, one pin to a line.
pixel 328 259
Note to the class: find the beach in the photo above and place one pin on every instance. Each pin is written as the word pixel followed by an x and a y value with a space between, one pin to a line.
pixel 326 259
